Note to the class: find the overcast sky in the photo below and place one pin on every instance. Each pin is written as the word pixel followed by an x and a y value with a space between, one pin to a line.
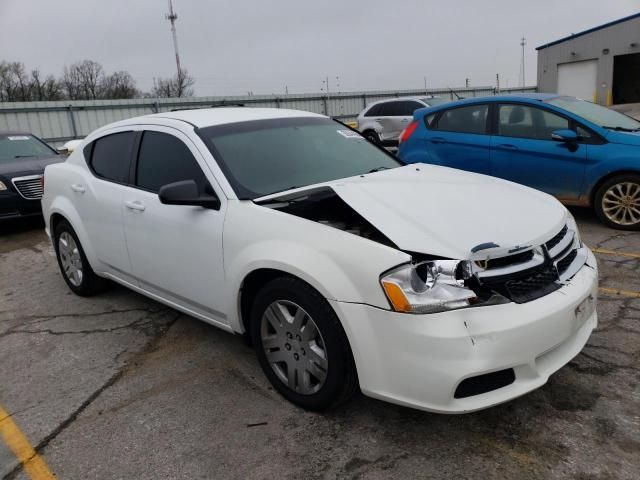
pixel 235 46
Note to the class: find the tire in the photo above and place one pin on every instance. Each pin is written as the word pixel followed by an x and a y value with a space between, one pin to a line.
pixel 617 202
pixel 372 137
pixel 294 363
pixel 71 260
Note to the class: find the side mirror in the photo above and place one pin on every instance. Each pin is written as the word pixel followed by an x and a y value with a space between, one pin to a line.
pixel 565 135
pixel 186 193
pixel 69 147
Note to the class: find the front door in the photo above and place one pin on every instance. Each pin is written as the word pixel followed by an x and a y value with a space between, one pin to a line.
pixel 523 151
pixel 176 251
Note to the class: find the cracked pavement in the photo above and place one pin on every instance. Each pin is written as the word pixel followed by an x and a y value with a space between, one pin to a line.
pixel 119 386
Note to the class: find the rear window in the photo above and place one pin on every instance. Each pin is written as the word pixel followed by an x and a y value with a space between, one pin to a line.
pixel 110 156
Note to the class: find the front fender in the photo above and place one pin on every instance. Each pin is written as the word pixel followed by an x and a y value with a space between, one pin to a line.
pixel 339 265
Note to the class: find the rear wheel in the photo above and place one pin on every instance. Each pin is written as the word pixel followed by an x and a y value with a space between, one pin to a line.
pixel 372 137
pixel 617 202
pixel 301 345
pixel 73 263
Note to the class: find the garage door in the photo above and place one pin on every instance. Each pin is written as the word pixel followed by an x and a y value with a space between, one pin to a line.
pixel 578 79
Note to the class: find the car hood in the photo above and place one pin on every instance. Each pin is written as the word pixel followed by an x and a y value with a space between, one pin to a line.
pixel 28 165
pixel 624 138
pixel 446 212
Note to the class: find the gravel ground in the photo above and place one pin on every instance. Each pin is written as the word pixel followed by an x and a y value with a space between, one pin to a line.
pixel 119 386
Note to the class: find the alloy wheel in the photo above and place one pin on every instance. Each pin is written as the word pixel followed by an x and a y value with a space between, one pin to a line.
pixel 294 347
pixel 70 258
pixel 621 203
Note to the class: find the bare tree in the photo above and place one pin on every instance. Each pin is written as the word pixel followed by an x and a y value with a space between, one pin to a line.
pixel 45 89
pixel 82 80
pixel 14 82
pixel 119 85
pixel 180 85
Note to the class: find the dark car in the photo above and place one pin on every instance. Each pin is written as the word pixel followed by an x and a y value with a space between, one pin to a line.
pixel 23 157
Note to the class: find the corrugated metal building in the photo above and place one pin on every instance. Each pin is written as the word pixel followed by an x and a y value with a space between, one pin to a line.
pixel 601 64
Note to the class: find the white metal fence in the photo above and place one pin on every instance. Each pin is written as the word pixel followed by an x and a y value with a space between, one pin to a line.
pixel 60 121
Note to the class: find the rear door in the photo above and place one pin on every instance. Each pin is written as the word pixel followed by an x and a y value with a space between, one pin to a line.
pixel 522 151
pixel 458 138
pixel 98 198
pixel 393 117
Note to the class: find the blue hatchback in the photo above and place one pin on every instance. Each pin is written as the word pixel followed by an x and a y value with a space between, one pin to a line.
pixel 580 152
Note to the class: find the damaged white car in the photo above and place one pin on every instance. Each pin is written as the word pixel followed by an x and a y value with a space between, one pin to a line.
pixel 420 285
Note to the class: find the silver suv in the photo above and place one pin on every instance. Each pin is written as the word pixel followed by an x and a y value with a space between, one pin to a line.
pixel 382 122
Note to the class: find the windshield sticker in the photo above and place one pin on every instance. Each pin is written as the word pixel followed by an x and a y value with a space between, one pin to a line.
pixel 19 137
pixel 349 134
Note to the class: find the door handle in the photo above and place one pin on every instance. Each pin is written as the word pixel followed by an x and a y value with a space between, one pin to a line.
pixel 508 146
pixel 438 140
pixel 76 187
pixel 134 205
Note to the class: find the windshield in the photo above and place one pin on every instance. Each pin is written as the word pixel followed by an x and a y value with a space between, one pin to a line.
pixel 602 116
pixel 22 146
pixel 267 156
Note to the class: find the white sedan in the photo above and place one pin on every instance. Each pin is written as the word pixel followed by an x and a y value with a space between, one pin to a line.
pixel 421 285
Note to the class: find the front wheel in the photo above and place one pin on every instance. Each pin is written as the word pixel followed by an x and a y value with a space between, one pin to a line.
pixel 617 202
pixel 301 345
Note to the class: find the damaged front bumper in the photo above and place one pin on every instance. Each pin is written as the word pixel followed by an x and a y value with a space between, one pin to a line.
pixel 469 359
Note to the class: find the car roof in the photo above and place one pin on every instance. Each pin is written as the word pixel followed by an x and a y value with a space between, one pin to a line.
pixel 206 117
pixel 524 97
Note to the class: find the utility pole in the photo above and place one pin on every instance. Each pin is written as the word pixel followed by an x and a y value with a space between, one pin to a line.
pixel 466 82
pixel 498 82
pixel 425 84
pixel 172 17
pixel 523 42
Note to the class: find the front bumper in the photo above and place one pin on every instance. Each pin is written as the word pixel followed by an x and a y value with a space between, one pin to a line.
pixel 419 360
pixel 13 205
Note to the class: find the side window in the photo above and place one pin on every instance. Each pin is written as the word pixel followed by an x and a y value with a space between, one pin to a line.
pixel 528 122
pixel 387 109
pixel 110 156
pixel 471 119
pixel 406 108
pixel 428 120
pixel 165 159
pixel 374 111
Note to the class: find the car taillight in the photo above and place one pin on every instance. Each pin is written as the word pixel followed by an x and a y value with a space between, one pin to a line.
pixel 407 132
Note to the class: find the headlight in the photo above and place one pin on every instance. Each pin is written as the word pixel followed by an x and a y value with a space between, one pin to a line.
pixel 2 187
pixel 572 225
pixel 429 287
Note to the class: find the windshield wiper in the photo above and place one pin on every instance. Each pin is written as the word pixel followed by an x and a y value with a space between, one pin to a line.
pixel 621 129
pixel 378 169
pixel 23 156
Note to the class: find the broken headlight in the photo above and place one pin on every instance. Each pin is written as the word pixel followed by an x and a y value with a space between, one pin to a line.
pixel 429 287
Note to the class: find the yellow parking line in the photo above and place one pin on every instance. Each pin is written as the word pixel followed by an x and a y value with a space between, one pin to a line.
pixel 615 291
pixel 32 463
pixel 604 251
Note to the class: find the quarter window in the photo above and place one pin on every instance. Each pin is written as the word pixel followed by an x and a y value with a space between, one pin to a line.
pixel 471 119
pixel 165 159
pixel 111 156
pixel 528 122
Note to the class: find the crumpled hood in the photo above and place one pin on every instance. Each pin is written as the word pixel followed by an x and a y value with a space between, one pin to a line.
pixel 446 212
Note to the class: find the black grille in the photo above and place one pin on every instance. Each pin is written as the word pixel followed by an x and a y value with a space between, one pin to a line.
pixel 487 382
pixel 566 261
pixel 537 285
pixel 556 239
pixel 527 285
pixel 510 260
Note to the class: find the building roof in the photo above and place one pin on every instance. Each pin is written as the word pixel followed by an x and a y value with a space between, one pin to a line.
pixel 585 32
